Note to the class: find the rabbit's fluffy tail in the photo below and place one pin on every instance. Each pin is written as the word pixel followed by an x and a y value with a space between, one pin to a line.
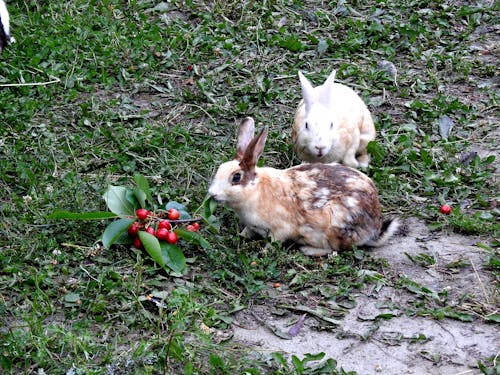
pixel 390 227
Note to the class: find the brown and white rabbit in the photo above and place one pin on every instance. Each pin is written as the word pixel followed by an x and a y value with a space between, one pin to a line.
pixel 323 207
pixel 332 124
pixel 5 37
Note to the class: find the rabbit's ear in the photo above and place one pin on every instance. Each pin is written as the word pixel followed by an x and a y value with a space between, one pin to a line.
pixel 331 78
pixel 254 151
pixel 245 136
pixel 307 90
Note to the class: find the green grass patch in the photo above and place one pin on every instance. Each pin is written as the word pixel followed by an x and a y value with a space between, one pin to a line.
pixel 94 92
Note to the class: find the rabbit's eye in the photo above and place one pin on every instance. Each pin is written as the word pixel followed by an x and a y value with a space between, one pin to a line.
pixel 307 125
pixel 236 178
pixel 331 125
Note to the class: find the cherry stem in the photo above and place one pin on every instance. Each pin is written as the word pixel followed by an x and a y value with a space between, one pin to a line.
pixel 163 215
pixel 185 220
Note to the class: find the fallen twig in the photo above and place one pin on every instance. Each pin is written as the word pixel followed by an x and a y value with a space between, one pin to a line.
pixel 480 282
pixel 54 80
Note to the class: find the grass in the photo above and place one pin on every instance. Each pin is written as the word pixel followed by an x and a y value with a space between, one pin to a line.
pixel 116 88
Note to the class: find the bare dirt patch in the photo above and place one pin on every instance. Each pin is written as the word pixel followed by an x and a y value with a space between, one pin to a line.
pixel 383 333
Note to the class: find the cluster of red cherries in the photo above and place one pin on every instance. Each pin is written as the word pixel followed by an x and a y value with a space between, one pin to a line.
pixel 158 226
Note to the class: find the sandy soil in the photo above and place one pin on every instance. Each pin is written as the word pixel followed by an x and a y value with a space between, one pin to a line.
pixel 367 343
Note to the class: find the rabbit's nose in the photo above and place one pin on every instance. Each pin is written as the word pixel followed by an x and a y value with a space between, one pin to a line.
pixel 320 149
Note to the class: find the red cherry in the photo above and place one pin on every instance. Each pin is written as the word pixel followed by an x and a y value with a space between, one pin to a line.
pixel 150 230
pixel 164 224
pixel 137 243
pixel 133 229
pixel 173 214
pixel 445 209
pixel 194 227
pixel 162 234
pixel 172 237
pixel 142 213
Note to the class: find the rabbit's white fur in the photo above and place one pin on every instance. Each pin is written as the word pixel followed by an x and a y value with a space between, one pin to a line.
pixel 332 124
pixel 323 207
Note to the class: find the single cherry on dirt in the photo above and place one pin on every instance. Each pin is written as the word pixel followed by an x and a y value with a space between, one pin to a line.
pixel 142 213
pixel 173 214
pixel 445 209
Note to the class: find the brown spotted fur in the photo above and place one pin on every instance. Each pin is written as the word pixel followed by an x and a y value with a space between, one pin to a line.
pixel 324 207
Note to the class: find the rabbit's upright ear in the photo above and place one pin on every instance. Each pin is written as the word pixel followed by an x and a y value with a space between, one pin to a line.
pixel 254 151
pixel 327 87
pixel 307 90
pixel 331 78
pixel 245 136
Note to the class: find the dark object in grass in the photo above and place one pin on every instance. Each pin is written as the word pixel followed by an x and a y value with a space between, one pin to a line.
pixel 468 157
pixel 157 301
pixel 5 37
pixel 295 329
pixel 389 68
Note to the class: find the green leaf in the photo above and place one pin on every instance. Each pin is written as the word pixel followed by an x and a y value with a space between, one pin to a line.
pixel 279 358
pixel 209 205
pixel 459 316
pixel 193 237
pixel 173 257
pixel 116 199
pixel 140 195
pixel 493 318
pixel 124 239
pixel 143 185
pixel 213 223
pixel 376 150
pixel 308 357
pixel 292 43
pixel 71 297
pixel 216 361
pixel 115 231
pixel 81 215
pixel 385 316
pixel 178 206
pixel 297 364
pixel 152 246
pixel 132 199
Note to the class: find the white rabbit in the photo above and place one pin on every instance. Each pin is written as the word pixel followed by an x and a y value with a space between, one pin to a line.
pixel 5 37
pixel 323 207
pixel 332 124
